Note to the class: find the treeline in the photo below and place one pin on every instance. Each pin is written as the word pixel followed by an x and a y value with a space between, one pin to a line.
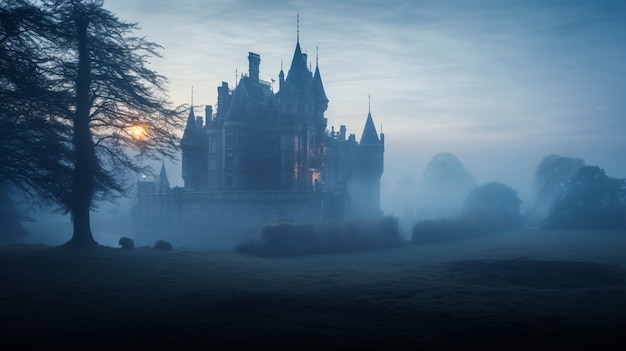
pixel 568 195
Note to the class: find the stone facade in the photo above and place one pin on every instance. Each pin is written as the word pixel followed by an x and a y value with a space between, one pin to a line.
pixel 264 155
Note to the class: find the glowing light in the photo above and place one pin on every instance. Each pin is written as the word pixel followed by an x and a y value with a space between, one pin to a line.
pixel 138 132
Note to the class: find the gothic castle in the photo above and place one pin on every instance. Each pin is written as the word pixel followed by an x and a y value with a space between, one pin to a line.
pixel 264 155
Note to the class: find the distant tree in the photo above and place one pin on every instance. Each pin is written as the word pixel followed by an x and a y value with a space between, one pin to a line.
pixel 495 206
pixel 446 183
pixel 592 201
pixel 552 179
pixel 445 168
pixel 106 102
pixel 488 209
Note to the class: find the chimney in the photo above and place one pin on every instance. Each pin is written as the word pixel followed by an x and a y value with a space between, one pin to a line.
pixel 254 61
pixel 342 132
pixel 208 113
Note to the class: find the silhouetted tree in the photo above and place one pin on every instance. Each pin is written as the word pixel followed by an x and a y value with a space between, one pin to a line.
pixel 592 201
pixel 495 206
pixel 11 228
pixel 34 156
pixel 488 209
pixel 446 184
pixel 446 168
pixel 552 178
pixel 107 100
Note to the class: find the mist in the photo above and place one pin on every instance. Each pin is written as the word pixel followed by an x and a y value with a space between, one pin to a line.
pixel 453 178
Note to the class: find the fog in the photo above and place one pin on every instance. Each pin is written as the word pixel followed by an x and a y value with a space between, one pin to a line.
pixel 407 193
pixel 470 98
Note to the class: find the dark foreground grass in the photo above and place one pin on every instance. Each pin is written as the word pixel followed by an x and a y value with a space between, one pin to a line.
pixel 394 299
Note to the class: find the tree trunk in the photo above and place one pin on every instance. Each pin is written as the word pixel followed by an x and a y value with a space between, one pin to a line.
pixel 85 162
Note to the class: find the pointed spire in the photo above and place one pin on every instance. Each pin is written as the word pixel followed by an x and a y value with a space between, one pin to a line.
pixel 298 68
pixel 369 136
pixel 297 28
pixel 163 181
pixel 190 128
pixel 191 119
pixel 317 55
pixel 317 87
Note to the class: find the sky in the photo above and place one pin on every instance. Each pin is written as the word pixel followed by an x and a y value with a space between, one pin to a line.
pixel 500 84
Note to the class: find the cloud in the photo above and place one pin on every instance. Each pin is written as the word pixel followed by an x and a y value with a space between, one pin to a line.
pixel 493 77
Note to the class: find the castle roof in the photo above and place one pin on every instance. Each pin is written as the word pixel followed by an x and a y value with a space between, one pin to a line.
pixel 369 136
pixel 190 128
pixel 317 87
pixel 245 91
pixel 163 181
pixel 298 69
pixel 237 111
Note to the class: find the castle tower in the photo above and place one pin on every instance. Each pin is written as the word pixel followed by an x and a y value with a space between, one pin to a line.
pixel 365 187
pixel 163 184
pixel 190 144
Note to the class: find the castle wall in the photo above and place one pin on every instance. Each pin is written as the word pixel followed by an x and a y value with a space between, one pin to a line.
pixel 267 155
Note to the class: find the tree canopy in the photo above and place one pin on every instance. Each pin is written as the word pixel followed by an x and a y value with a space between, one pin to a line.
pixel 494 204
pixel 446 184
pixel 445 168
pixel 552 179
pixel 592 200
pixel 81 96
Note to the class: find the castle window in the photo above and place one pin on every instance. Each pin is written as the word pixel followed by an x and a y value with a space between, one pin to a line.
pixel 229 180
pixel 212 179
pixel 212 145
pixel 212 162
pixel 229 141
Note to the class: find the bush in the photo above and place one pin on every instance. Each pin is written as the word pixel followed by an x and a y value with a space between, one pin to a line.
pixel 289 239
pixel 163 245
pixel 488 209
pixel 126 243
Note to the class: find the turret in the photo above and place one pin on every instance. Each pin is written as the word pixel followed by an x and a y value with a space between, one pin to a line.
pixel 371 149
pixel 296 78
pixel 189 145
pixel 365 186
pixel 281 78
pixel 317 91
pixel 163 184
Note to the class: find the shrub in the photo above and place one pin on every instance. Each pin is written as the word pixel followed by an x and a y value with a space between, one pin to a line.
pixel 126 243
pixel 163 245
pixel 289 239
pixel 488 209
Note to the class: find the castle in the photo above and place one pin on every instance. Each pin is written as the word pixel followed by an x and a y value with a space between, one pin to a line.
pixel 264 155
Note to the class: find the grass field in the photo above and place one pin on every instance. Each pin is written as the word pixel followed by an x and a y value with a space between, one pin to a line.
pixel 528 289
